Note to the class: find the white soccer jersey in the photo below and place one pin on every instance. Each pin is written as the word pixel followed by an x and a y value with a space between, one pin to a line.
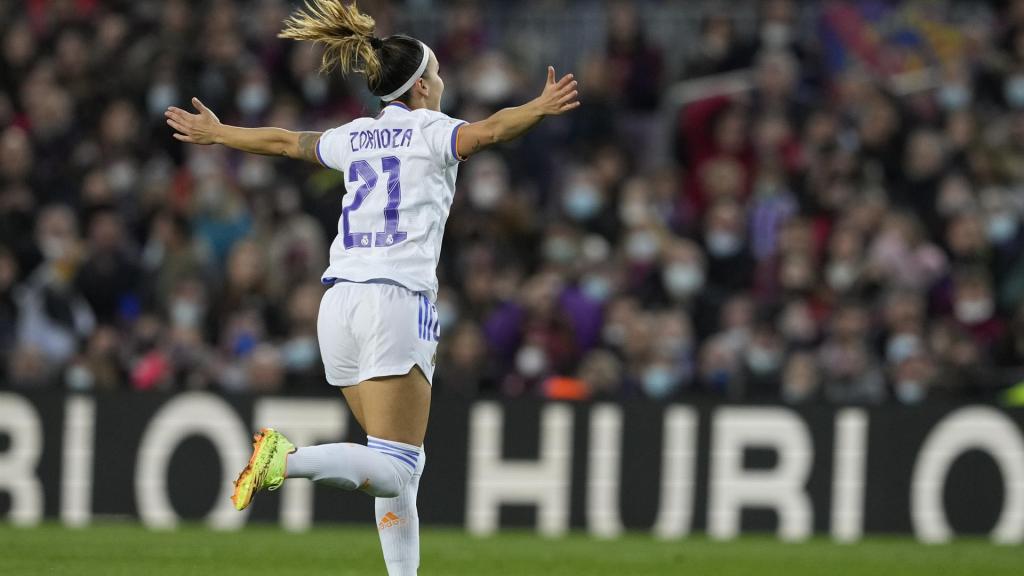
pixel 400 170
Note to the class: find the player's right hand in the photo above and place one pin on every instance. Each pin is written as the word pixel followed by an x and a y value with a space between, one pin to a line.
pixel 198 128
pixel 558 97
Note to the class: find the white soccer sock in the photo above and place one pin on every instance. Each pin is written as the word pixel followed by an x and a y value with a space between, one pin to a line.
pixel 399 526
pixel 381 468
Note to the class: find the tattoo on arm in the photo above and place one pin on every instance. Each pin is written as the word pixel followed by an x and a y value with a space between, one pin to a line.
pixel 307 146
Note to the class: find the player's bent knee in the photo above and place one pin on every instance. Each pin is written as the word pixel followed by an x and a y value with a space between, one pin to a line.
pixel 392 485
pixel 404 461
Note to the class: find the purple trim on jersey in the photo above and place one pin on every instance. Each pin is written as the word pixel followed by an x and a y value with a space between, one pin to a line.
pixel 318 155
pixel 455 137
pixel 328 281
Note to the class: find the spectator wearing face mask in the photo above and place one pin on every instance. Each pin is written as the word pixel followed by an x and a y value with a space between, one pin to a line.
pixel 53 315
pixel 730 264
pixel 763 361
pixel 683 274
pixel 669 368
pixel 800 379
pixel 851 372
pixel 974 307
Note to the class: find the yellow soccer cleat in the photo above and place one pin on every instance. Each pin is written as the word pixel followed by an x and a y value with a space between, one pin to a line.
pixel 266 467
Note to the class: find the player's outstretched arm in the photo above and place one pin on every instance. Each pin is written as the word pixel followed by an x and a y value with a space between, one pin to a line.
pixel 205 128
pixel 510 123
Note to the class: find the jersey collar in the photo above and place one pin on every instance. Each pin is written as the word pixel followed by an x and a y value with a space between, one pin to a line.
pixel 398 105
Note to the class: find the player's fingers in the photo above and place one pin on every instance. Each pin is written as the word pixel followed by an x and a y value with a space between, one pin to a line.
pixel 570 106
pixel 183 138
pixel 176 115
pixel 200 106
pixel 565 80
pixel 566 88
pixel 551 74
pixel 176 121
pixel 178 126
pixel 566 98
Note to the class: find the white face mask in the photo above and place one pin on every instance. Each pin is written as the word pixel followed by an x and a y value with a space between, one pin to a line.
pixel 160 97
pixel 642 246
pixel 841 276
pixel 186 314
pixel 122 175
pixel 776 34
pixel 596 287
pixel 531 361
pixel 723 244
pixel 581 202
pixel 659 382
pixel 559 250
pixel 447 314
pixel 300 354
pixel 485 193
pixel 973 311
pixel 682 280
pixel 255 174
pixel 1013 90
pixel 79 378
pixel 901 347
pixel 492 84
pixel 54 247
pixel 1002 228
pixel 763 361
pixel 314 88
pixel 910 391
pixel 633 213
pixel 253 98
pixel 953 97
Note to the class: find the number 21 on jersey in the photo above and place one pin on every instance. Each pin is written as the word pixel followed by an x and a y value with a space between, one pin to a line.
pixel 360 170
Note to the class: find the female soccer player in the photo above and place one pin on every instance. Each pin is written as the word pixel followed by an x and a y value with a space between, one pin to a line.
pixel 377 327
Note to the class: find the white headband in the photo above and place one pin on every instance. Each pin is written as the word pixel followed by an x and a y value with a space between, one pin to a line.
pixel 408 83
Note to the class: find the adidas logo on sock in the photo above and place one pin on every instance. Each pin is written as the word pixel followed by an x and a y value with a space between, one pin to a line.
pixel 389 520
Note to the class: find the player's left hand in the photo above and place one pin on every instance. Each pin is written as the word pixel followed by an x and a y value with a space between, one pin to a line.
pixel 198 128
pixel 558 97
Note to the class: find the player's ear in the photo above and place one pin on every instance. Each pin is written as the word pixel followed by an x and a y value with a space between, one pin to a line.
pixel 422 88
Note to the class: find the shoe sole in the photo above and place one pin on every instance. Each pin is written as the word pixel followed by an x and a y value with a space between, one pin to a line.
pixel 244 492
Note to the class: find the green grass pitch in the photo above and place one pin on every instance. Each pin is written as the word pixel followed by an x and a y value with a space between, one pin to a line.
pixel 125 549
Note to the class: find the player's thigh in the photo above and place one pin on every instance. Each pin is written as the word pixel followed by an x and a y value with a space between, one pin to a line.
pixel 396 407
pixel 351 394
pixel 338 345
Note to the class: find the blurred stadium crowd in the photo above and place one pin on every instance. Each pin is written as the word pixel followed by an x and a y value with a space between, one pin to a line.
pixel 831 232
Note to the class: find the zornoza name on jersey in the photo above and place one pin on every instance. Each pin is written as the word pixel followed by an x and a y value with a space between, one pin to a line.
pixel 380 139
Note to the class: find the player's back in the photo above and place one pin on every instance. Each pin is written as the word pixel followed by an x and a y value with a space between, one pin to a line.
pixel 400 171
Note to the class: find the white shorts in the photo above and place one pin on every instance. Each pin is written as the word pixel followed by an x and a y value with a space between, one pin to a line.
pixel 373 330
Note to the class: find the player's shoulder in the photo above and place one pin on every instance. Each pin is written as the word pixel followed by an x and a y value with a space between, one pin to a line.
pixel 353 124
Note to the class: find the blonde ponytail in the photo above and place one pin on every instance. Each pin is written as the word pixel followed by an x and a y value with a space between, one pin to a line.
pixel 345 32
